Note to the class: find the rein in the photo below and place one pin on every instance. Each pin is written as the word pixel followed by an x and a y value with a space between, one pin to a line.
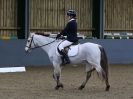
pixel 38 46
pixel 43 45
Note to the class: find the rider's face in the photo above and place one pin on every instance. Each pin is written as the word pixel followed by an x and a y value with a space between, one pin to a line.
pixel 68 17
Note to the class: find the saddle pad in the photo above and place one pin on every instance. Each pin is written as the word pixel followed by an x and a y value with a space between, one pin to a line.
pixel 73 51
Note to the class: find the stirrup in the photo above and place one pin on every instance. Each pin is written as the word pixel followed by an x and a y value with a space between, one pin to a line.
pixel 65 61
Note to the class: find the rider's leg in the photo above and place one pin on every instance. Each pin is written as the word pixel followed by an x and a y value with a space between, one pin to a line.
pixel 65 56
pixel 61 48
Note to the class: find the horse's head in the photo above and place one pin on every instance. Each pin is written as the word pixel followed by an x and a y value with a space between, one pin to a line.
pixel 38 41
pixel 30 43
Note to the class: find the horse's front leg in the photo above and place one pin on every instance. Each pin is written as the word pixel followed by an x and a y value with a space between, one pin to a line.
pixel 56 76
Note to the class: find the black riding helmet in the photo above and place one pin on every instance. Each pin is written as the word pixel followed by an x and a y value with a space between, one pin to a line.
pixel 71 13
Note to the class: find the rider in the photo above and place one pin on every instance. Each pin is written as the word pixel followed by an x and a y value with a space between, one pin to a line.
pixel 71 32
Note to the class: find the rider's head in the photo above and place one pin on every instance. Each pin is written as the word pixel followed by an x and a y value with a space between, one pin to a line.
pixel 71 13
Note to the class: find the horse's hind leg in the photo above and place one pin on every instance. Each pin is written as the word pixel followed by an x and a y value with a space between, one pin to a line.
pixel 88 75
pixel 104 77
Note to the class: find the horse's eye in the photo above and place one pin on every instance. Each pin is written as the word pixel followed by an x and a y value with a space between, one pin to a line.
pixel 28 40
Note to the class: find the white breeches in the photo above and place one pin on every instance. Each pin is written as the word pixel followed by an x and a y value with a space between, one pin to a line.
pixel 64 44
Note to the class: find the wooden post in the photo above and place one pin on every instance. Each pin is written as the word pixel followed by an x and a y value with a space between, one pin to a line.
pixel 26 20
pixel 98 19
pixel 23 19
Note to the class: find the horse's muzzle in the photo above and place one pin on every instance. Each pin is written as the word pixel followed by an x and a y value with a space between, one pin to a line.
pixel 27 50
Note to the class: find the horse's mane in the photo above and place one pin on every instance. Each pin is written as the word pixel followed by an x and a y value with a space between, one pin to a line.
pixel 47 35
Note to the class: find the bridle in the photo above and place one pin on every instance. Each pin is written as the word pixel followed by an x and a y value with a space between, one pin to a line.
pixel 35 46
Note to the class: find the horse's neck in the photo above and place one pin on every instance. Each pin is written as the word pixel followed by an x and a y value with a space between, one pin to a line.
pixel 49 48
pixel 41 41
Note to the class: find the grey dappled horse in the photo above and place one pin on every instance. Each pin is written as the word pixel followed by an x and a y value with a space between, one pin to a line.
pixel 92 55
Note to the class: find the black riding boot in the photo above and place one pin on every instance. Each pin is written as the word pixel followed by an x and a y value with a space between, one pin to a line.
pixel 65 58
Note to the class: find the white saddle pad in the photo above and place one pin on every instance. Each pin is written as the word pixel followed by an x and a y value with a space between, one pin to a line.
pixel 73 51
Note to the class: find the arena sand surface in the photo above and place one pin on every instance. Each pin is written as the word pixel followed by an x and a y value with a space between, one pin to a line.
pixel 37 83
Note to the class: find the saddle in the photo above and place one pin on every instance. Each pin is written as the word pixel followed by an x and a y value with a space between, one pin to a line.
pixel 71 50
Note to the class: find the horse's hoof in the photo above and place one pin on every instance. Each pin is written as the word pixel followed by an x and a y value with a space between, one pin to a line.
pixel 81 87
pixel 58 86
pixel 107 88
pixel 61 85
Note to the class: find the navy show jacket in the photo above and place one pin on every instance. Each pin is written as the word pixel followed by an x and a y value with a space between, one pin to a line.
pixel 70 31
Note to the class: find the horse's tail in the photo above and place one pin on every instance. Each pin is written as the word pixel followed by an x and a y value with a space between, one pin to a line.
pixel 104 63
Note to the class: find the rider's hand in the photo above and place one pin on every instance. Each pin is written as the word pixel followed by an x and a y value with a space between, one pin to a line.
pixel 58 35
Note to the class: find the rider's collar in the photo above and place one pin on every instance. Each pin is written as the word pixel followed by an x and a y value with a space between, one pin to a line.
pixel 71 19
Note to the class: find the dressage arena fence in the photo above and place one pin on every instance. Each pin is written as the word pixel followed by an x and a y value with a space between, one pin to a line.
pixel 12 69
pixel 116 35
pixel 12 52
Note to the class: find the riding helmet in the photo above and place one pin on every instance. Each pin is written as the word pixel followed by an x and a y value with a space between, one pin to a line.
pixel 71 13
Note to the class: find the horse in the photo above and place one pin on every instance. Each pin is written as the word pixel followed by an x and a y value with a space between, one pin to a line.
pixel 92 55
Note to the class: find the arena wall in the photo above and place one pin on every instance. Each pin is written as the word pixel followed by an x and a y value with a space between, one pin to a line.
pixel 12 52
